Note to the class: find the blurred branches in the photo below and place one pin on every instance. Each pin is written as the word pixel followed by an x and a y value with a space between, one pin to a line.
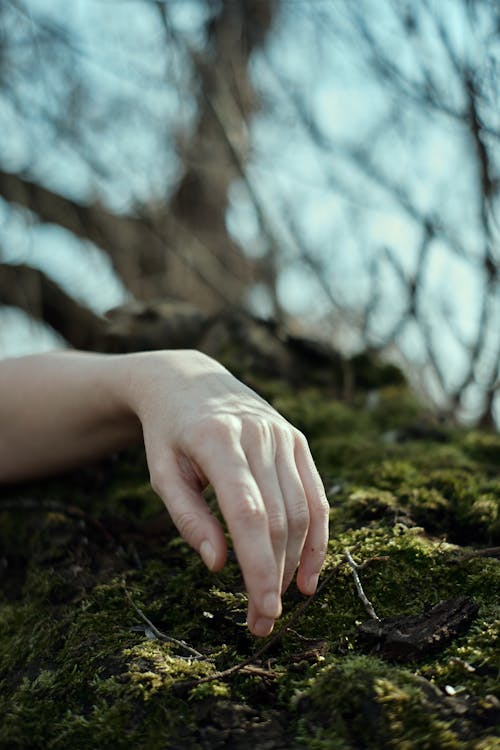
pixel 420 78
pixel 343 154
pixel 174 245
pixel 32 291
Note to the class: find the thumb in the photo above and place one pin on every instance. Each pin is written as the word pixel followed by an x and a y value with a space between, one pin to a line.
pixel 189 511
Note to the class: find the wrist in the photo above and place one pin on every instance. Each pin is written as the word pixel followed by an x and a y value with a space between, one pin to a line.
pixel 162 372
pixel 115 374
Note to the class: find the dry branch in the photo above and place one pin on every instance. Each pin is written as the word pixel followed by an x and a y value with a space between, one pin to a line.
pixel 157 633
pixel 359 588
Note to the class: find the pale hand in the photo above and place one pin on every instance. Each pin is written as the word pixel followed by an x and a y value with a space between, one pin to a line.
pixel 201 425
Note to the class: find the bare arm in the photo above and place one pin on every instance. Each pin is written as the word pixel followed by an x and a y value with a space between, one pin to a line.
pixel 60 409
pixel 199 425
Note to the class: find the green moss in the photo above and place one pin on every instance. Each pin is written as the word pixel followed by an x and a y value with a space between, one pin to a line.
pixel 359 702
pixel 313 412
pixel 79 667
pixel 483 446
pixel 394 407
pixel 369 503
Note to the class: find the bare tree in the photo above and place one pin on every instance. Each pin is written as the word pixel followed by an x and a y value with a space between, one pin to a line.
pixel 426 80
pixel 370 177
pixel 176 244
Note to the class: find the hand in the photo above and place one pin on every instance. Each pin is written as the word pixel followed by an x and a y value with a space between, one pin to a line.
pixel 201 425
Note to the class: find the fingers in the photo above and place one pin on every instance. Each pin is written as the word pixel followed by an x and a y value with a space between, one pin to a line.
pixel 240 499
pixel 295 501
pixel 274 504
pixel 297 507
pixel 315 545
pixel 257 624
pixel 260 453
pixel 188 510
pixel 243 508
pixel 270 495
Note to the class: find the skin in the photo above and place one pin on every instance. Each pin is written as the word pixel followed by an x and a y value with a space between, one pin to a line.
pixel 199 425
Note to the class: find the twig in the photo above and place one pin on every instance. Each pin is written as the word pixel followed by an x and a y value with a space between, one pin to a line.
pixel 301 637
pixel 225 673
pixel 485 552
pixel 266 674
pixel 359 588
pixel 161 636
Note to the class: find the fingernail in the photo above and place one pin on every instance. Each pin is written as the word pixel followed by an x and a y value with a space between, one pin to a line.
pixel 271 605
pixel 312 583
pixel 207 553
pixel 263 626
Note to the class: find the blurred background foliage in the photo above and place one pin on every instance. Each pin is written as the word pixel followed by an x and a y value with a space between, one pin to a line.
pixel 334 165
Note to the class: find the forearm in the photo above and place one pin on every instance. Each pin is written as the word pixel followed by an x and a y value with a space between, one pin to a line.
pixel 60 409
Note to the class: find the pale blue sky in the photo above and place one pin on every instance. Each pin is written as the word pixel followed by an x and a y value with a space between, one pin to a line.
pixel 344 217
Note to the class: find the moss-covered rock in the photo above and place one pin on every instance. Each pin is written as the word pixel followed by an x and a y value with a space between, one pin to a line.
pixel 415 500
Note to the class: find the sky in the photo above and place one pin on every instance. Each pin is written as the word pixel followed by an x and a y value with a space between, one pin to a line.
pixel 345 218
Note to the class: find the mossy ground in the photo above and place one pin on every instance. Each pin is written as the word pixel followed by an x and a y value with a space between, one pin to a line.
pixel 414 495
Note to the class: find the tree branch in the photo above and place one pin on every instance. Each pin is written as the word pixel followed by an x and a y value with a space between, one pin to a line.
pixel 129 242
pixel 217 149
pixel 31 290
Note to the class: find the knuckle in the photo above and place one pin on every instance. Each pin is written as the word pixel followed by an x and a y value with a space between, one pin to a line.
pixel 250 509
pixel 217 427
pixel 224 426
pixel 284 432
pixel 324 505
pixel 300 439
pixel 188 525
pixel 299 519
pixel 277 528
pixel 320 505
pixel 241 487
pixel 260 428
pixel 256 431
pixel 158 479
